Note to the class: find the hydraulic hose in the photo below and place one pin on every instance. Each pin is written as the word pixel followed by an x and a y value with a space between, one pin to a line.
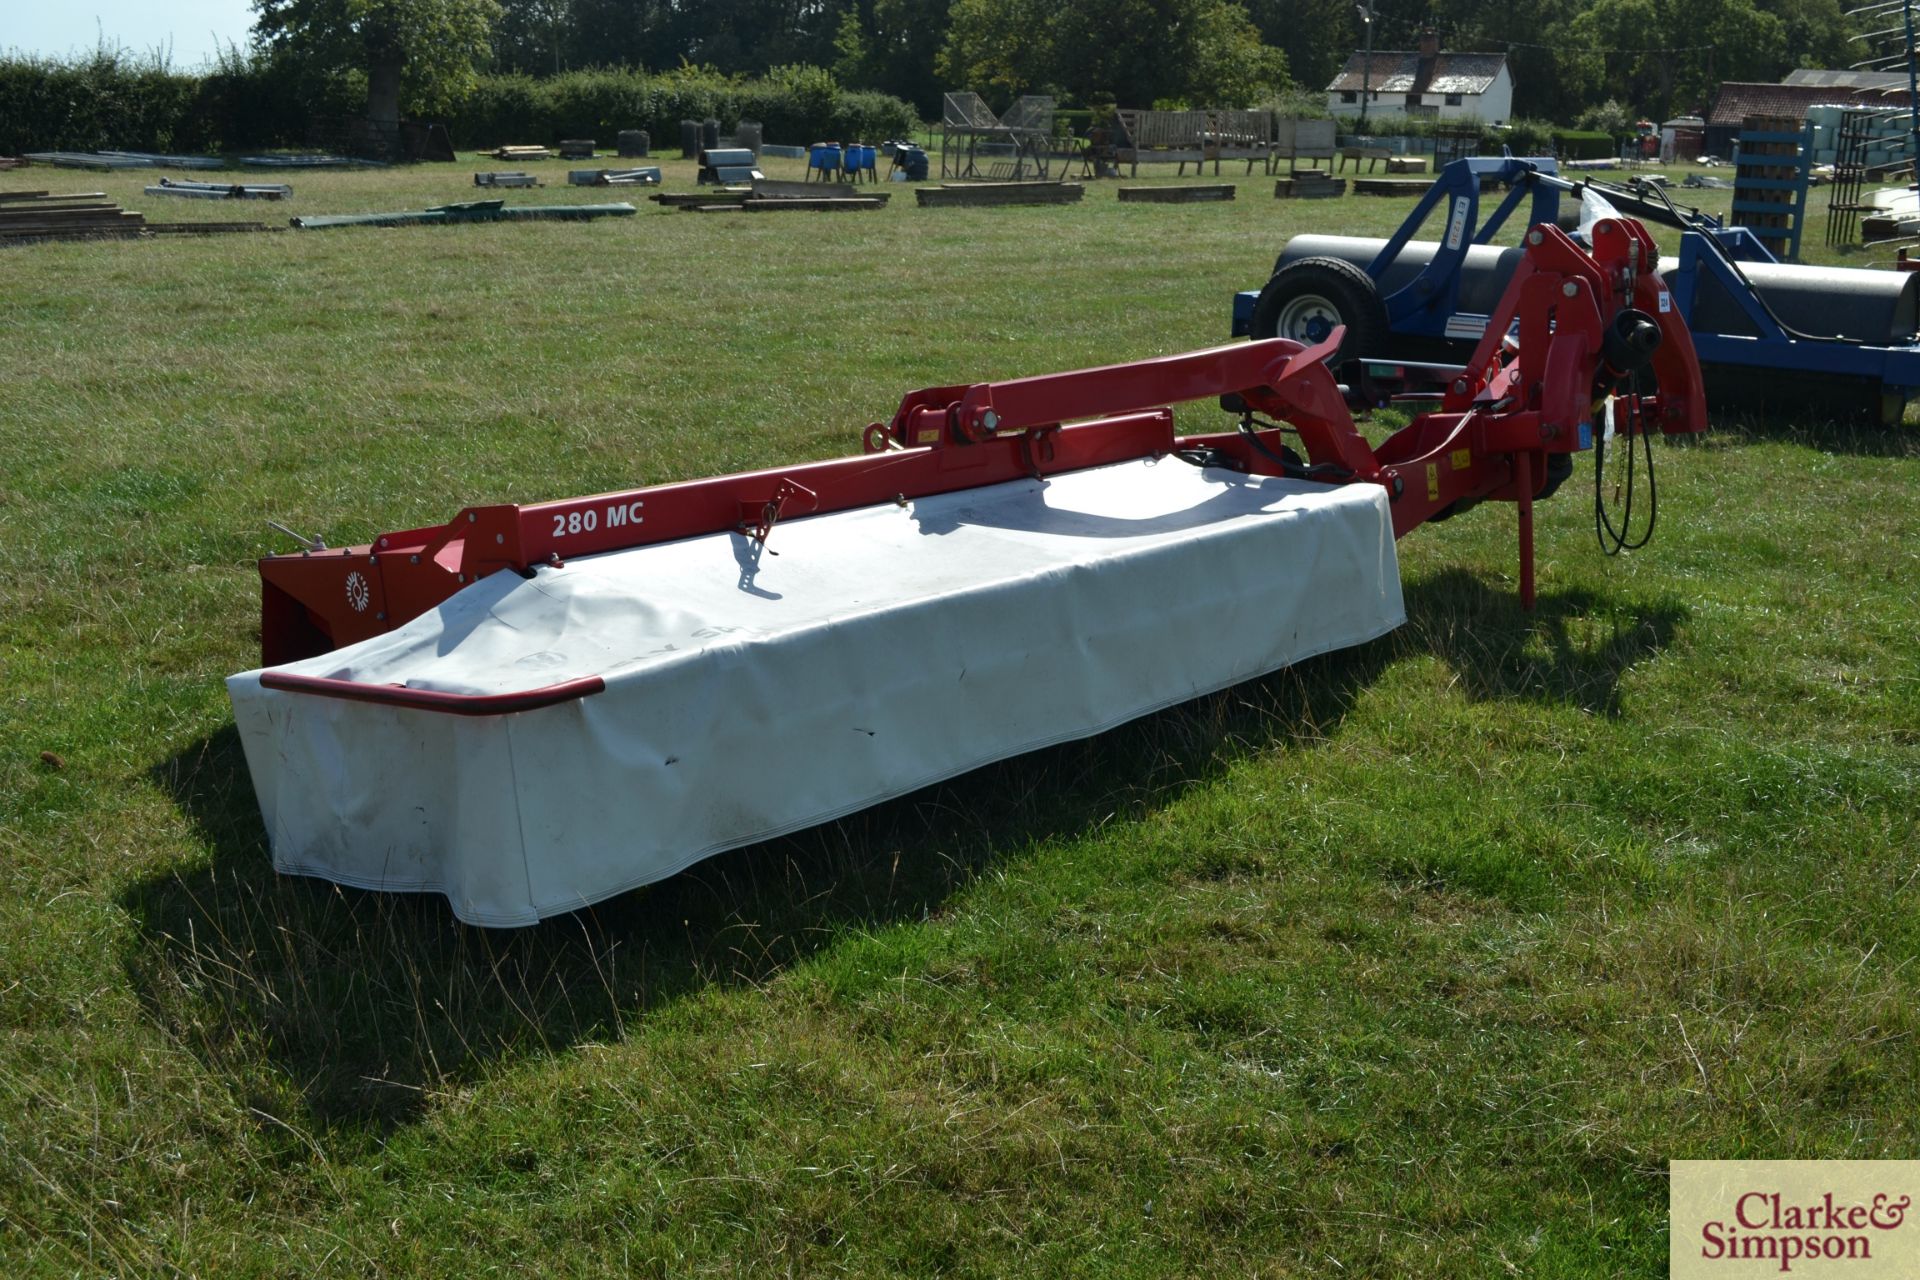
pixel 1726 259
pixel 1615 540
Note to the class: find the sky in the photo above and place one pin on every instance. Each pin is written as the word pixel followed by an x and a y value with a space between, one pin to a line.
pixel 194 30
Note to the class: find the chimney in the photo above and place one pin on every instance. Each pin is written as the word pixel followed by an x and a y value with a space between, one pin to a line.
pixel 1429 42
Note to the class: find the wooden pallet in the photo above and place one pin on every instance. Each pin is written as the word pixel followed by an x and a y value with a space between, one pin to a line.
pixel 1390 186
pixel 88 215
pixel 1177 195
pixel 774 189
pixel 784 204
pixel 700 199
pixel 999 193
pixel 80 216
pixel 207 228
pixel 45 196
pixel 1770 183
pixel 1303 187
pixel 1887 227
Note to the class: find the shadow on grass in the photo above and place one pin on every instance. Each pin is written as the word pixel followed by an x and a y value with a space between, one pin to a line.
pixel 1573 649
pixel 348 1008
pixel 1803 421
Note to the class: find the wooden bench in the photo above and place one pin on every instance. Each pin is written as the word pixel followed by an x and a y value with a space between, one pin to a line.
pixel 1195 138
pixel 1297 140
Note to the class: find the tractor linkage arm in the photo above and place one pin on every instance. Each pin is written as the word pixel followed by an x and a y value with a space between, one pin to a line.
pixel 1585 320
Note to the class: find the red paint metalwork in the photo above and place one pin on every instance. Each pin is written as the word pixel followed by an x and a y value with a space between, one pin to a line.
pixel 1489 440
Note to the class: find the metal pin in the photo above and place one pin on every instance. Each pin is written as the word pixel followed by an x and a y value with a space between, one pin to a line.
pixel 306 544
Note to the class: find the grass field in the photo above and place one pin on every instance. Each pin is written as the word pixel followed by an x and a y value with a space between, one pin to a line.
pixel 1420 959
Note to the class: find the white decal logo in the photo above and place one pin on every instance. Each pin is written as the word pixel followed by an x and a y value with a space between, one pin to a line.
pixel 357 594
pixel 1457 227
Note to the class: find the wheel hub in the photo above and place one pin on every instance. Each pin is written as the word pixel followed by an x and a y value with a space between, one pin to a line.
pixel 1308 319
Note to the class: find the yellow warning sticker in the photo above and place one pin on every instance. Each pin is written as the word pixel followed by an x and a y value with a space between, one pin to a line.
pixel 927 435
pixel 1461 459
pixel 1433 482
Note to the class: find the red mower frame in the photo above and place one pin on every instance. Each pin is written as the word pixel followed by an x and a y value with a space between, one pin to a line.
pixel 1586 317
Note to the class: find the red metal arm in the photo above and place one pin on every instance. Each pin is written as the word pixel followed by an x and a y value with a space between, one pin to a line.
pixel 316 601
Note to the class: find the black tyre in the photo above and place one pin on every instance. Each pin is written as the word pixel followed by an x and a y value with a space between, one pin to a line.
pixel 1306 299
pixel 1559 471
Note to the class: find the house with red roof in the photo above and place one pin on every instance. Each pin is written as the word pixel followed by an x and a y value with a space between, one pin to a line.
pixel 1791 100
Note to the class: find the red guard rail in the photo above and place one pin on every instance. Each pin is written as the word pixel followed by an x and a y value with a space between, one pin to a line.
pixel 454 704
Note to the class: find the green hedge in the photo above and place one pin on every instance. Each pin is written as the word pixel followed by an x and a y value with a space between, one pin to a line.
pixel 109 101
pixel 795 105
pixel 98 102
pixel 1584 144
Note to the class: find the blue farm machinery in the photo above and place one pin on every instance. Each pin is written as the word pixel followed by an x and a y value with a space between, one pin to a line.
pixel 1780 338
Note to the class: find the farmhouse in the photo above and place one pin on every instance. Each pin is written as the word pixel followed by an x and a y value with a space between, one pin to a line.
pixel 1425 82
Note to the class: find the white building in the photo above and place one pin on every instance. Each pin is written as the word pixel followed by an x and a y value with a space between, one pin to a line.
pixel 1425 82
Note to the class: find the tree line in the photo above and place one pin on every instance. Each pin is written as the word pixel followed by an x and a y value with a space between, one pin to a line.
pixel 1657 57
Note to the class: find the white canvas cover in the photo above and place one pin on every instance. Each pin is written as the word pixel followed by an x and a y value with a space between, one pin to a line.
pixel 881 650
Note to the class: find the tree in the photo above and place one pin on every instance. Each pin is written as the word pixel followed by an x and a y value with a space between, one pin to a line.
pixel 1229 64
pixel 419 51
pixel 892 46
pixel 1000 48
pixel 1818 32
pixel 1315 35
pixel 1672 54
pixel 1610 117
pixel 608 33
pixel 531 35
pixel 1206 52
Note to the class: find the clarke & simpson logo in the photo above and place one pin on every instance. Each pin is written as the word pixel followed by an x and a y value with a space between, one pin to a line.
pixel 1765 1225
pixel 1841 1218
